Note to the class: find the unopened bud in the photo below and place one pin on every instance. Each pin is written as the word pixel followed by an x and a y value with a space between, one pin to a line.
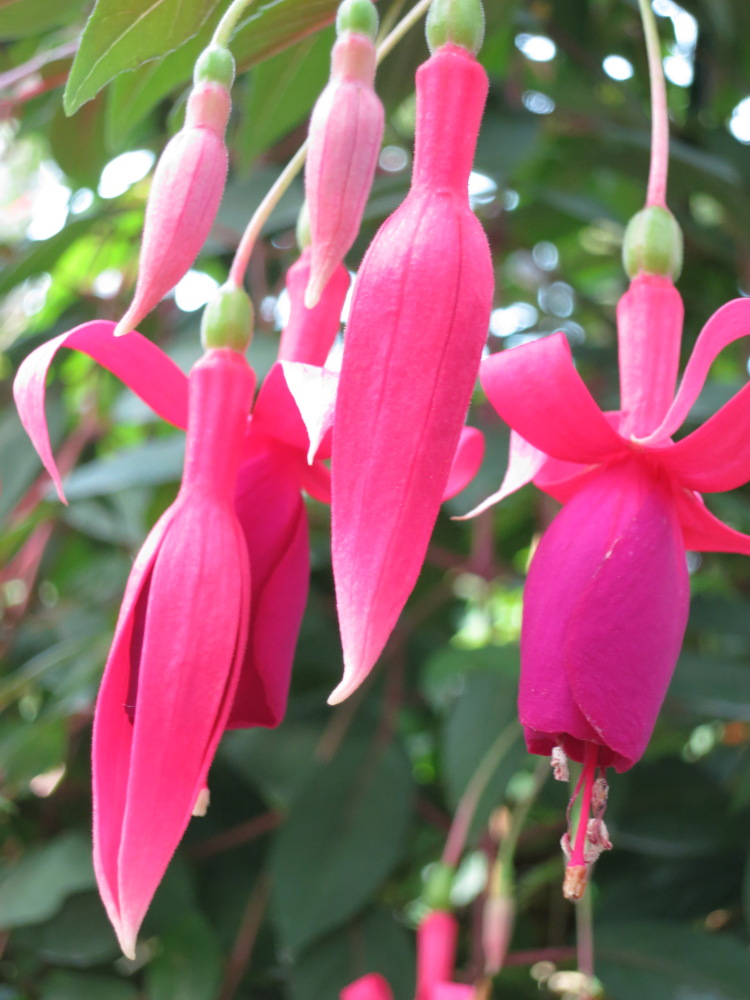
pixel 359 16
pixel 497 929
pixel 215 65
pixel 653 244
pixel 455 22
pixel 438 885
pixel 228 319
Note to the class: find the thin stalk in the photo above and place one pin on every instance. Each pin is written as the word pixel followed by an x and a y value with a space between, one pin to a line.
pixel 459 830
pixel 225 27
pixel 657 177
pixel 389 18
pixel 585 939
pixel 507 849
pixel 283 181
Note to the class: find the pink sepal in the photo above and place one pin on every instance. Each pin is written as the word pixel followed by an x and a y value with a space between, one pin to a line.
pixel 437 935
pixel 466 461
pixel 370 987
pixel 726 325
pixel 136 361
pixel 555 412
pixel 453 991
pixel 314 391
pixel 524 463
pixel 309 334
pixel 608 584
pixel 701 531
pixel 272 515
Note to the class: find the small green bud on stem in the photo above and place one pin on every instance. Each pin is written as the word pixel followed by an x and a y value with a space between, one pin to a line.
pixel 437 890
pixel 215 65
pixel 653 244
pixel 359 16
pixel 228 319
pixel 455 22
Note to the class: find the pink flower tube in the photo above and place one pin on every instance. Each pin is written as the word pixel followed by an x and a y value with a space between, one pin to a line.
pixel 346 130
pixel 184 198
pixel 310 333
pixel 419 320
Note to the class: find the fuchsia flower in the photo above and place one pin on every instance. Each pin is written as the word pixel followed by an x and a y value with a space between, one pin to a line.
pixel 436 956
pixel 186 189
pixel 419 320
pixel 346 129
pixel 607 595
pixel 309 334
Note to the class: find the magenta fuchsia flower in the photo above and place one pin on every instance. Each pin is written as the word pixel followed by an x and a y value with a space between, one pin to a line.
pixel 185 194
pixel 436 955
pixel 418 322
pixel 346 130
pixel 309 333
pixel 607 595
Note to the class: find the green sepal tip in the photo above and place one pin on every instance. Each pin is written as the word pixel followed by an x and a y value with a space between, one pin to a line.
pixel 228 319
pixel 438 886
pixel 653 244
pixel 359 16
pixel 455 22
pixel 215 65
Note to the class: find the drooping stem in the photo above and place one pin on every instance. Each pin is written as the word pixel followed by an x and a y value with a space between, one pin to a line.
pixel 225 27
pixel 290 171
pixel 507 849
pixel 459 830
pixel 657 177
pixel 585 939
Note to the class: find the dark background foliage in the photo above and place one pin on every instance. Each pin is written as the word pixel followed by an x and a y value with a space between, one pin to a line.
pixel 308 869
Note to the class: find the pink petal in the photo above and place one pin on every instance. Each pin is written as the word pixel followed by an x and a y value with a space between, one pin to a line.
pixel 625 631
pixel 649 331
pixel 277 414
pixel 726 325
pixel 184 198
pixel 524 463
pixel 136 361
pixel 370 987
pixel 701 531
pixel 309 333
pixel 537 391
pixel 715 457
pixel 436 951
pixel 466 461
pixel 453 991
pixel 274 522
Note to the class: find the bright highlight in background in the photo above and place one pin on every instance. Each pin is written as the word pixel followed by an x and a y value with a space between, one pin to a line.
pixel 739 123
pixel 618 68
pixel 538 48
pixel 194 290
pixel 124 171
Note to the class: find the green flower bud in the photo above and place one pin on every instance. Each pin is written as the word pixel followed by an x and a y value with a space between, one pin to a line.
pixel 653 244
pixel 437 890
pixel 455 22
pixel 303 224
pixel 215 65
pixel 228 319
pixel 359 16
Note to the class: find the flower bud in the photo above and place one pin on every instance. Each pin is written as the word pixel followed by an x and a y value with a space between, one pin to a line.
pixel 215 65
pixel 359 16
pixel 228 319
pixel 185 194
pixel 455 22
pixel 346 129
pixel 438 885
pixel 653 244
pixel 497 929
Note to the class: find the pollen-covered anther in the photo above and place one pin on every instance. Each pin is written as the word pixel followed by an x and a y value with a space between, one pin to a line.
pixel 559 764
pixel 574 884
pixel 597 840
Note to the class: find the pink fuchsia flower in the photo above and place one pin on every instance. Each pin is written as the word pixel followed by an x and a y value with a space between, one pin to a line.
pixel 186 189
pixel 418 322
pixel 309 333
pixel 346 130
pixel 436 955
pixel 607 594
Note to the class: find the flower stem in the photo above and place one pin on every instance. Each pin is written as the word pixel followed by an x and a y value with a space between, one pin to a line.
pixel 226 26
pixel 585 939
pixel 459 830
pixel 657 178
pixel 290 171
pixel 507 849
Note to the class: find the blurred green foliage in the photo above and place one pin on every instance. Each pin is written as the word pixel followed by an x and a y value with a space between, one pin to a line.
pixel 308 869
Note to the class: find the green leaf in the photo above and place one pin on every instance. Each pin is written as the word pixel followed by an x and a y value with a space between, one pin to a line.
pixel 121 36
pixel 77 143
pixel 19 463
pixel 189 966
pixel 283 92
pixel 713 686
pixel 79 935
pixel 19 18
pixel 43 256
pixel 268 30
pixel 662 961
pixel 34 888
pixel 276 761
pixel 31 748
pixel 343 836
pixel 149 464
pixel 63 985
pixel 374 943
